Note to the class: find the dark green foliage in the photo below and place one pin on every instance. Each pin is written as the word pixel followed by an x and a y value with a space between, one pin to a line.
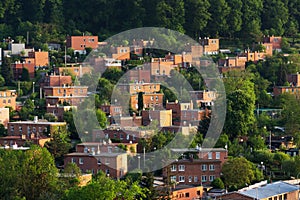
pixel 25 75
pixel 51 20
pixel 30 174
pixel 6 70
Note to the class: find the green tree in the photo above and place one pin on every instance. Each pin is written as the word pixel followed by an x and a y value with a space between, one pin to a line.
pixel 239 115
pixel 2 80
pixel 50 117
pixel 38 174
pixel 237 172
pixel 27 110
pixel 3 131
pixel 219 11
pixel 105 188
pixel 25 75
pixel 234 18
pixel 218 183
pixel 280 158
pixel 275 15
pixel 197 17
pixel 101 117
pixel 6 70
pixel 170 14
pixel 251 19
pixel 59 145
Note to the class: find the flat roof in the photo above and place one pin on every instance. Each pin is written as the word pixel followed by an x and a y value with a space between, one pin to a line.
pixel 38 122
pixel 66 97
pixel 197 150
pixel 101 143
pixel 270 190
pixel 63 87
pixel 105 154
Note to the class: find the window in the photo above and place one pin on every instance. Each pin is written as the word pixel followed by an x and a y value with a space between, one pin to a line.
pixel 181 178
pixel 73 160
pixel 196 179
pixel 173 168
pixel 211 178
pixel 9 101
pixel 190 179
pixel 181 168
pixel 107 161
pixel 218 155
pixel 152 98
pixel 210 155
pixel 81 161
pixel 211 168
pixel 173 178
pixel 34 129
pixel 28 129
pixel 4 100
pixel 20 129
pixel 40 129
pixel 12 128
pixel 156 98
pixel 204 167
pixel 203 178
pixel 187 194
pixel 121 136
pixel 99 161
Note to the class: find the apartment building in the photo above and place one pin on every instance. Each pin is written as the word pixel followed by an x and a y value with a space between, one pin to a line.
pixel 198 166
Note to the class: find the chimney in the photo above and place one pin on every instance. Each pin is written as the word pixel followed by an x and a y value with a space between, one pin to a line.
pixel 35 119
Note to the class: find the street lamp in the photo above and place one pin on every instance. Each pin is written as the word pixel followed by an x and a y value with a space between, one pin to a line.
pixel 262 167
pixel 139 161
pixel 33 87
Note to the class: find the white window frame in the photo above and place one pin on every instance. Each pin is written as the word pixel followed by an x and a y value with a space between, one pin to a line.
pixel 181 168
pixel 181 179
pixel 211 167
pixel 203 178
pixel 81 161
pixel 209 155
pixel 218 155
pixel 173 168
pixel 204 167
pixel 190 179
pixel 211 178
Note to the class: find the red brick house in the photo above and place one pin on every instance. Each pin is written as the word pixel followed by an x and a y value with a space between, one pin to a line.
pixel 196 166
pixel 275 41
pixel 79 43
pixel 57 80
pixel 293 88
pixel 112 164
pixel 18 69
pixel 92 157
pixel 38 58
